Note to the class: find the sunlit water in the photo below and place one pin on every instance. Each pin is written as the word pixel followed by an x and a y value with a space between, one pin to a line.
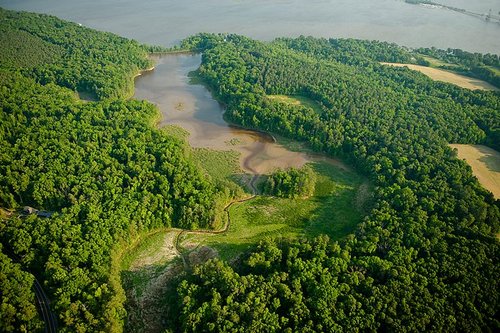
pixel 165 22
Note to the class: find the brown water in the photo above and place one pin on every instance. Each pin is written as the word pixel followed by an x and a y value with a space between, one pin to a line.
pixel 192 107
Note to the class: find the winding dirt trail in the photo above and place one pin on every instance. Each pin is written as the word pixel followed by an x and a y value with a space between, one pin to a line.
pixel 226 226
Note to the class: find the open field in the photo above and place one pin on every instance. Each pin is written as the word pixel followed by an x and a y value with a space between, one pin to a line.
pixel 155 249
pixel 447 76
pixel 436 62
pixel 147 269
pixel 175 131
pixel 338 204
pixel 297 100
pixel 485 163
pixel 223 167
pixel 218 164
pixel 494 70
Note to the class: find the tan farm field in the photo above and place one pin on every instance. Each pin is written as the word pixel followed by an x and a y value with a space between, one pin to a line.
pixel 485 163
pixel 447 76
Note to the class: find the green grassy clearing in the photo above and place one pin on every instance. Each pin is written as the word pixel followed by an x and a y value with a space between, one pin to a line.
pixel 176 131
pixel 223 167
pixel 146 268
pixel 147 259
pixel 494 70
pixel 218 164
pixel 147 245
pixel 436 62
pixel 333 210
pixel 297 100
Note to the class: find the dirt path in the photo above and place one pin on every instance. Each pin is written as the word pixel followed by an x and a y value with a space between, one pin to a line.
pixel 223 229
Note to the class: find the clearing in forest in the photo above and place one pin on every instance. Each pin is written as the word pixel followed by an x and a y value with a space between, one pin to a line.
pixel 337 206
pixel 447 76
pixel 485 163
pixel 297 100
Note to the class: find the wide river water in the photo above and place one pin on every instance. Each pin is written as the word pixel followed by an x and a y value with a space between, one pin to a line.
pixel 165 22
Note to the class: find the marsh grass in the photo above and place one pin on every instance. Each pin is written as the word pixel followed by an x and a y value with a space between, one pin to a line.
pixel 334 209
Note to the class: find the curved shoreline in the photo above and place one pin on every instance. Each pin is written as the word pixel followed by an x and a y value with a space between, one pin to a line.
pixel 170 84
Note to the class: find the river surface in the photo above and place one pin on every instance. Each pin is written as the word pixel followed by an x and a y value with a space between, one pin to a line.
pixel 192 107
pixel 166 22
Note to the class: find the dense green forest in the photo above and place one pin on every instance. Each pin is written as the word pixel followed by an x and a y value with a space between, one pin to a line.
pixel 291 183
pixel 425 259
pixel 50 50
pixel 101 168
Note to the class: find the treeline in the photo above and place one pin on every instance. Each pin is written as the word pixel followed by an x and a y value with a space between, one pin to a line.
pixel 291 183
pixel 101 168
pixel 351 51
pixel 51 50
pixel 482 66
pixel 295 286
pixel 425 258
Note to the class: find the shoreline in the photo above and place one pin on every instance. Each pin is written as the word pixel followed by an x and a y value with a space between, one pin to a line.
pixel 260 152
pixel 143 71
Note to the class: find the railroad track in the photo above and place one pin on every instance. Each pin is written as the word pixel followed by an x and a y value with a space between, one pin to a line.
pixel 44 306
pixel 41 297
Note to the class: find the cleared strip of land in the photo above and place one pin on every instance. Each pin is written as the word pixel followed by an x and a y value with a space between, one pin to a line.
pixel 485 163
pixel 447 76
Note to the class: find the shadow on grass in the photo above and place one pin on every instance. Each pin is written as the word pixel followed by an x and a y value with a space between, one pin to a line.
pixel 229 252
pixel 490 159
pixel 338 214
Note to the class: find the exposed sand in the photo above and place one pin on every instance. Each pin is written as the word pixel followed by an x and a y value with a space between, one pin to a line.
pixel 163 254
pixel 485 163
pixel 446 76
pixel 168 86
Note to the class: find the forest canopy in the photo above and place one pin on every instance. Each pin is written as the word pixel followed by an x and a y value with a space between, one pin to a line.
pixel 51 50
pixel 291 183
pixel 424 259
pixel 101 169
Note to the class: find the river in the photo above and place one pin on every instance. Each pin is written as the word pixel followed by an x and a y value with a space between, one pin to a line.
pixel 166 22
pixel 192 107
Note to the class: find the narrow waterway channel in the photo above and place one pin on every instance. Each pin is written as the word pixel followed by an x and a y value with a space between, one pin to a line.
pixel 192 107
